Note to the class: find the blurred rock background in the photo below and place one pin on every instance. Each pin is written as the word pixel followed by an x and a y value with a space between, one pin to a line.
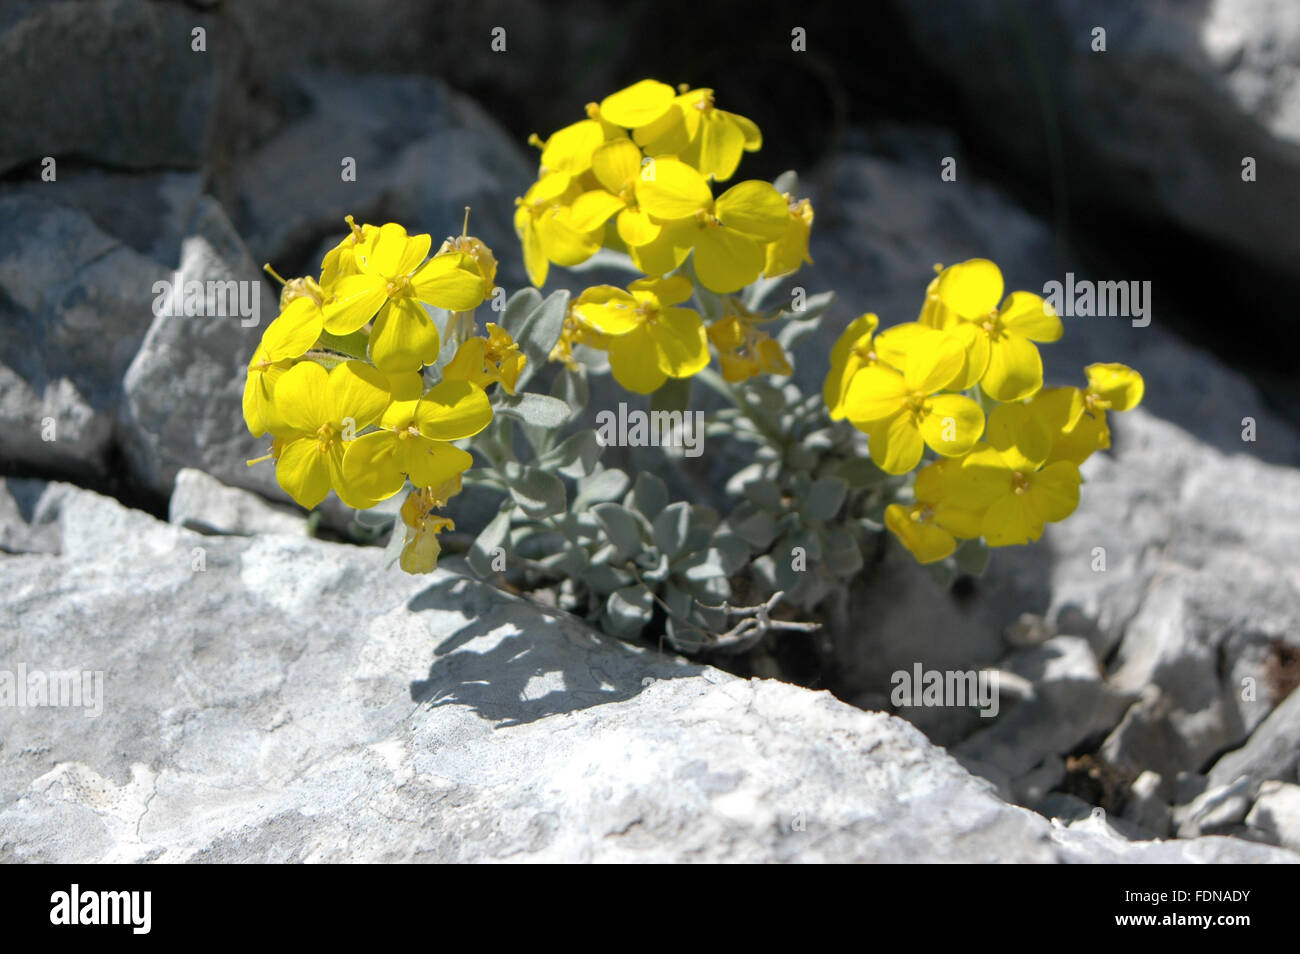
pixel 1117 165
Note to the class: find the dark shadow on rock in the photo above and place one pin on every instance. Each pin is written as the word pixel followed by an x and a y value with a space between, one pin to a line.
pixel 512 675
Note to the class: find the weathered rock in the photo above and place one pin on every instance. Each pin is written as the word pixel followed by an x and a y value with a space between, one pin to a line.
pixel 1158 125
pixel 1070 703
pixel 74 302
pixel 1214 810
pixel 183 391
pixel 29 511
pixel 200 502
pixel 278 699
pixel 1146 805
pixel 134 94
pixel 1276 814
pixel 422 154
pixel 1273 751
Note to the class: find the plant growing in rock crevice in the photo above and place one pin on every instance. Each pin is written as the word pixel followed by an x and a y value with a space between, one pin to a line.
pixel 375 378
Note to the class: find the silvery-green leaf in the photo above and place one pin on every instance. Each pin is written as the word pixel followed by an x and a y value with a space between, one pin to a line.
pixel 569 560
pixel 671 527
pixel 575 457
pixel 601 486
pixel 679 602
pixel 488 542
pixel 824 498
pixel 860 472
pixel 733 551
pixel 649 495
pixel 703 565
pixel 622 528
pixel 813 306
pixel 629 609
pixel 539 332
pixel 539 493
pixel 518 307
pixel 570 386
pixel 765 493
pixel 841 552
pixel 603 578
pixel 944 572
pixel 973 557
pixel 539 410
pixel 757 529
pixel 787 183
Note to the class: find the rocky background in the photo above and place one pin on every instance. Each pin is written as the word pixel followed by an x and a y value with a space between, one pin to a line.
pixel 270 696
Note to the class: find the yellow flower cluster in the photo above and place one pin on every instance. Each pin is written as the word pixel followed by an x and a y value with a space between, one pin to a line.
pixel 337 380
pixel 913 387
pixel 635 177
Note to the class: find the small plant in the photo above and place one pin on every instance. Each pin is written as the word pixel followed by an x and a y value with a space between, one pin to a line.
pixel 375 379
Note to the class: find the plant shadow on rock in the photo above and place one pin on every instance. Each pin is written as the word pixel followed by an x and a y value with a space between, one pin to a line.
pixel 513 676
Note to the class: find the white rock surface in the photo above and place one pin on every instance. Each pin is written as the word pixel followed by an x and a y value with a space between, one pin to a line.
pixel 282 699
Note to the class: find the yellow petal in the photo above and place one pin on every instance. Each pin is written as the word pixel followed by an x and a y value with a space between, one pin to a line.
pixel 592 209
pixel 972 289
pixel 1031 316
pixel 716 150
pixel 952 425
pixel 1118 385
pixel 680 343
pixel 726 261
pixel 1054 490
pixel 670 189
pixel 616 164
pixel 302 471
pixel 934 358
pixel 392 253
pixel 1015 369
pixel 1019 435
pixel 874 393
pixel 359 392
pixel 754 208
pixel 638 104
pixel 433 463
pixel 895 443
pixel 373 466
pixel 569 149
pixel 633 360
pixel 451 281
pixel 608 309
pixel 453 410
pixel 302 397
pixel 1012 519
pixel 355 301
pixel 404 338
pixel 294 331
pixel 927 542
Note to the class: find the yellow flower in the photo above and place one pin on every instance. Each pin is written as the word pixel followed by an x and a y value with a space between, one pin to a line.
pixel 1077 419
pixel 1002 339
pixel 391 285
pixel 288 337
pixel 476 249
pixel 729 234
pixel 575 333
pixel 316 413
pixel 649 340
pixel 787 253
pixel 485 360
pixel 616 166
pixel 413 441
pixel 851 353
pixel 340 261
pixel 931 526
pixel 744 349
pixel 1009 479
pixel 421 547
pixel 904 413
pixel 546 226
pixel 710 139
